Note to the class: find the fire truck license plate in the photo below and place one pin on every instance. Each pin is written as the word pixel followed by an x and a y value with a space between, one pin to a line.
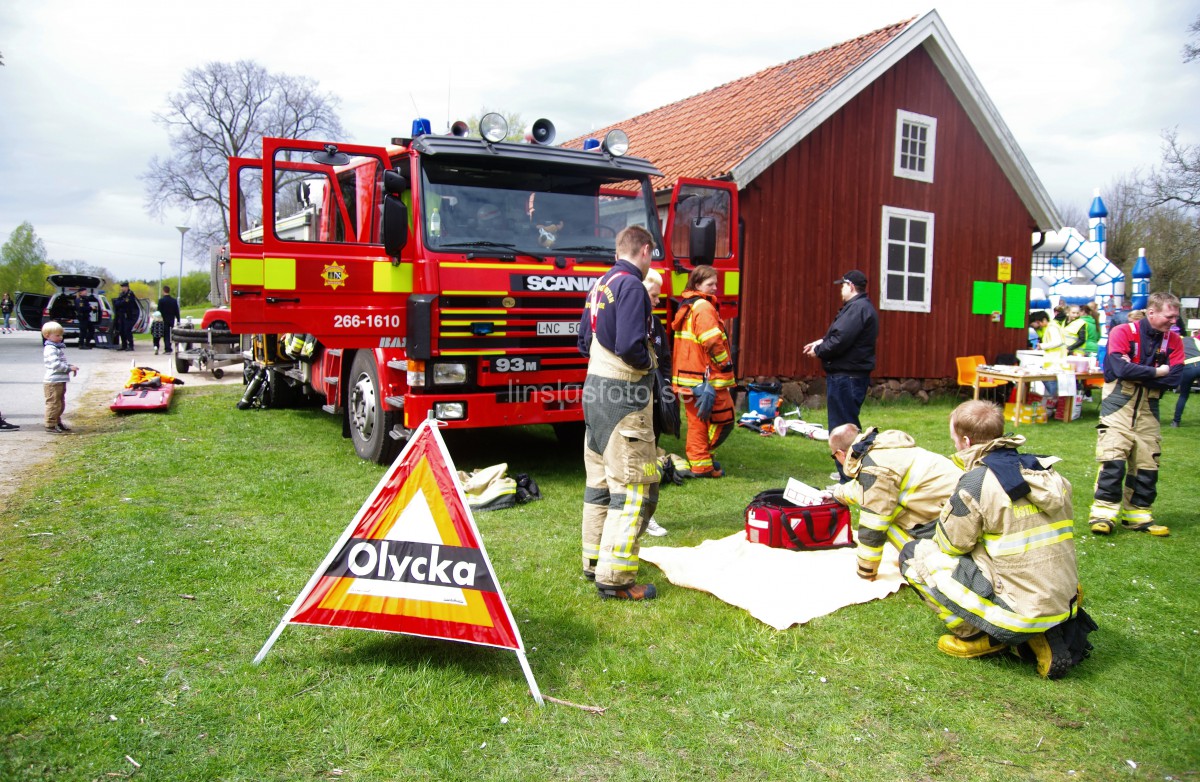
pixel 555 328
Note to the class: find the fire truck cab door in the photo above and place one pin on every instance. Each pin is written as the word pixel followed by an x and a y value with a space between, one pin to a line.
pixel 245 246
pixel 324 270
pixel 702 228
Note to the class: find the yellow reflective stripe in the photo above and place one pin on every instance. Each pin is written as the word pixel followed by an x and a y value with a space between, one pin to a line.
pixel 1028 540
pixel 733 283
pixel 246 271
pixel 591 551
pixel 719 382
pixel 722 357
pixel 629 522
pixel 678 283
pixel 392 279
pixel 518 266
pixel 472 311
pixel 872 521
pixel 1135 515
pixel 471 353
pixel 492 334
pixel 902 496
pixel 712 333
pixel 700 463
pixel 469 322
pixel 869 553
pixel 939 537
pixel 686 382
pixel 898 536
pixel 989 611
pixel 474 293
pixel 279 274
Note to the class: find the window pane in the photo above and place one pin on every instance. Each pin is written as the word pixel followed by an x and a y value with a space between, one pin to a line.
pixel 896 228
pixel 916 231
pixel 895 286
pixel 895 257
pixel 699 202
pixel 916 260
pixel 916 289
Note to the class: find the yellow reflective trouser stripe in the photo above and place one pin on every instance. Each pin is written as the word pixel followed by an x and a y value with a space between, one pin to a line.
pixel 948 617
pixel 869 553
pixel 591 551
pixel 701 462
pixel 686 382
pixel 630 522
pixel 872 521
pixel 990 612
pixel 722 382
pixel 1028 540
pixel 1135 515
pixel 944 544
pixel 898 536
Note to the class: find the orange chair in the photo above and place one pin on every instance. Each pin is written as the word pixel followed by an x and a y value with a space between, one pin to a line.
pixel 966 373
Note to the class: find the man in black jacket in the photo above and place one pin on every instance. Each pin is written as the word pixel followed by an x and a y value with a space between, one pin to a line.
pixel 168 307
pixel 125 311
pixel 847 353
pixel 619 455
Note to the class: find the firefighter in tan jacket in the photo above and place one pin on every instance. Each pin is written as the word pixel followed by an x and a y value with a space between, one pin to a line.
pixel 1000 569
pixel 898 487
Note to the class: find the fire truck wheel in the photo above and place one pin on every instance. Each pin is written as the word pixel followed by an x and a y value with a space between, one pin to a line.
pixel 279 392
pixel 369 418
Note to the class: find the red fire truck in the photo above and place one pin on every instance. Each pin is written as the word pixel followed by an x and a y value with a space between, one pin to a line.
pixel 444 275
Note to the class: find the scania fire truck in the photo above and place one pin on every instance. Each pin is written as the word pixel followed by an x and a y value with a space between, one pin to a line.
pixel 445 275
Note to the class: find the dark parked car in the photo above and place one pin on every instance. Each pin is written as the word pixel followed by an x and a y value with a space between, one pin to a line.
pixel 34 309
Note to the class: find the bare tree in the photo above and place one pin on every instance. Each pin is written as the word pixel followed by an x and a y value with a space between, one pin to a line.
pixel 1073 216
pixel 223 110
pixel 1126 206
pixel 1190 50
pixel 1178 180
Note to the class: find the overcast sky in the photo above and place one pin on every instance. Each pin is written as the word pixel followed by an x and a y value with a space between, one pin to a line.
pixel 1085 87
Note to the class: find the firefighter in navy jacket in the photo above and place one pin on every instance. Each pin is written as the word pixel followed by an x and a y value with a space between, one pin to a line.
pixel 619 455
pixel 1144 359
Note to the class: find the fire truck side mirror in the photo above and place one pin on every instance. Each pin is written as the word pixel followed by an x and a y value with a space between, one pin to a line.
pixel 395 213
pixel 702 240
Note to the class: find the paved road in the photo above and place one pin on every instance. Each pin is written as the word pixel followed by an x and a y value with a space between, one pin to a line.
pixel 101 373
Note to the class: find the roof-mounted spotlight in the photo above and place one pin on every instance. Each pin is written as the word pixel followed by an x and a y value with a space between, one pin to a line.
pixel 616 143
pixel 493 127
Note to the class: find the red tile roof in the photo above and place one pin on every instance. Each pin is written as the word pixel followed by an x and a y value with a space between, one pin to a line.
pixel 708 134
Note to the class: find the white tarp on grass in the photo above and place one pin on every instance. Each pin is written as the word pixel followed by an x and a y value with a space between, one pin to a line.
pixel 778 587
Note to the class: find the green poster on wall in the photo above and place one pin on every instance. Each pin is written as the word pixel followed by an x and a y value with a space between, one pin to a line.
pixel 988 297
pixel 1016 306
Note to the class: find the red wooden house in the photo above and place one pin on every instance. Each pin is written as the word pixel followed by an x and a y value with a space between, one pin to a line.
pixel 883 154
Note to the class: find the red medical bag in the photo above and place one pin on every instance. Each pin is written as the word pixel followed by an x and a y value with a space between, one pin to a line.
pixel 780 523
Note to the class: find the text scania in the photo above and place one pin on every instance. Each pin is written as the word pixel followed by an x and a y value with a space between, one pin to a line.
pixel 535 282
pixel 418 563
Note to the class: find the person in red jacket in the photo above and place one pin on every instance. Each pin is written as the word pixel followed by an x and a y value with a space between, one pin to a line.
pixel 702 352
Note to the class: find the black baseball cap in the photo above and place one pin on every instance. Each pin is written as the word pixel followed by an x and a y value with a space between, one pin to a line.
pixel 854 277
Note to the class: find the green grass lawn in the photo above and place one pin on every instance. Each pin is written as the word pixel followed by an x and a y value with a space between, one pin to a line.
pixel 141 575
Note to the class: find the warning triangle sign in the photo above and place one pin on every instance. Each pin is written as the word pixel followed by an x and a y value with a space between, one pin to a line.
pixel 412 561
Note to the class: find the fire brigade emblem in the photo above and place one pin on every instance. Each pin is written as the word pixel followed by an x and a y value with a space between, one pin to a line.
pixel 335 275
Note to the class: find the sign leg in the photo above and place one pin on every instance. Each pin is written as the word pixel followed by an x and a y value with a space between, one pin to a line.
pixel 533 688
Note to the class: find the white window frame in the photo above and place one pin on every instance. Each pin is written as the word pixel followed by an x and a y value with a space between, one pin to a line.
pixel 904 304
pixel 930 125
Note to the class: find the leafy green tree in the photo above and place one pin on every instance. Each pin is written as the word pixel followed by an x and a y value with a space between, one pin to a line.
pixel 23 263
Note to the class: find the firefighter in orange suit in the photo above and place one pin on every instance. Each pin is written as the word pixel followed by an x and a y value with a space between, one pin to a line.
pixel 702 352
pixel 619 455
pixel 898 487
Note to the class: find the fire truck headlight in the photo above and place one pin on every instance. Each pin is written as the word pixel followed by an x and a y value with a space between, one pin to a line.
pixel 493 127
pixel 616 143
pixel 450 411
pixel 449 374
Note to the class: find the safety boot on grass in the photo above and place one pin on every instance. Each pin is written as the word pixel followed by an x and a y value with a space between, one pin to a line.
pixel 631 592
pixel 1101 526
pixel 1157 530
pixel 1053 656
pixel 979 645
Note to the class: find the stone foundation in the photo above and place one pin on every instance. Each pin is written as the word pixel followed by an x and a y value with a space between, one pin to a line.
pixel 809 393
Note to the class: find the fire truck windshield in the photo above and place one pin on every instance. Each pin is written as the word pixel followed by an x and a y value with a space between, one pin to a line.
pixel 528 211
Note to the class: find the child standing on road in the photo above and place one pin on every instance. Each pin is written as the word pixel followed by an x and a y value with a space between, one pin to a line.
pixel 158 329
pixel 58 373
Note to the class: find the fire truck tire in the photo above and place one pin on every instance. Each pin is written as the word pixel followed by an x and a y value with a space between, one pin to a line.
pixel 368 415
pixel 280 393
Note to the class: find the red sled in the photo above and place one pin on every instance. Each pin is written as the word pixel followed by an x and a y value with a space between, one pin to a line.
pixel 143 400
pixel 780 523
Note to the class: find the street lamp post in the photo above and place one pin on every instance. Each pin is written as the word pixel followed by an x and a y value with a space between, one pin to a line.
pixel 183 229
pixel 161 264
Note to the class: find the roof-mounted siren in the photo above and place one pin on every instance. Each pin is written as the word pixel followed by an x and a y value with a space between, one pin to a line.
pixel 421 127
pixel 460 129
pixel 542 133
